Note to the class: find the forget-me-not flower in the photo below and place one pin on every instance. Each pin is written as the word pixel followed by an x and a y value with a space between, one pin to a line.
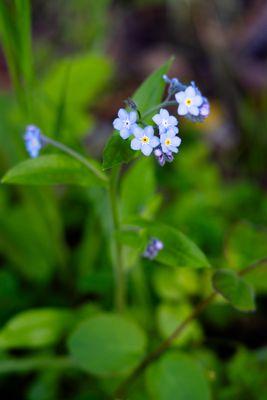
pixel 169 142
pixel 33 140
pixel 165 121
pixel 152 249
pixel 144 140
pixel 189 101
pixel 125 123
pixel 205 108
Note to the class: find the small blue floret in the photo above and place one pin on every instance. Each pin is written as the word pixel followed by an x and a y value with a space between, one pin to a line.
pixel 33 140
pixel 125 123
pixel 153 248
pixel 165 121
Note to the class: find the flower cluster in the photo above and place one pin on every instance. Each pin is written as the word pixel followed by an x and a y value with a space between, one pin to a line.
pixel 33 140
pixel 162 139
pixel 153 247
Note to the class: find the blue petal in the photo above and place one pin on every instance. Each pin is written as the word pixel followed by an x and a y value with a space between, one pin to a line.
pixel 125 133
pixel 117 124
pixel 157 119
pixel 149 131
pixel 133 116
pixel 164 113
pixel 176 141
pixel 122 114
pixel 135 144
pixel 154 141
pixel 138 132
pixel 146 149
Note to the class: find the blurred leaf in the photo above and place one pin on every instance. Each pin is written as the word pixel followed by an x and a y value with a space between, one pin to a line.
pixel 107 344
pixel 23 22
pixel 117 151
pixel 169 316
pixel 15 34
pixel 35 328
pixel 138 187
pixel 174 284
pixel 80 79
pixel 24 241
pixel 246 372
pixel 149 94
pixel 179 375
pixel 234 289
pixel 44 386
pixel 179 250
pixel 246 244
pixel 51 170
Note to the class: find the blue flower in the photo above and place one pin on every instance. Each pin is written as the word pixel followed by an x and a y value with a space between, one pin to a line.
pixel 165 121
pixel 144 140
pixel 189 101
pixel 153 247
pixel 205 108
pixel 125 122
pixel 169 142
pixel 33 140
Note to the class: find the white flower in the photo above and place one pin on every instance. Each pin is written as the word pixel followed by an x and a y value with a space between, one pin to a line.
pixel 169 142
pixel 165 121
pixel 125 123
pixel 189 101
pixel 144 140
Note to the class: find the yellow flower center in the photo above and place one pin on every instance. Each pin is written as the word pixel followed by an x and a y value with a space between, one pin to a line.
pixel 188 102
pixel 145 140
pixel 167 142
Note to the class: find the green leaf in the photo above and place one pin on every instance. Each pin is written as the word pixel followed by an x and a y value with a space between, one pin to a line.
pixel 170 315
pixel 179 250
pixel 149 94
pixel 117 151
pixel 51 170
pixel 35 328
pixel 178 376
pixel 107 344
pixel 138 187
pixel 79 79
pixel 246 244
pixel 234 289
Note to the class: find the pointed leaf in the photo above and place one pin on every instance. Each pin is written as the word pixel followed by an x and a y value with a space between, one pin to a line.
pixel 52 170
pixel 234 289
pixel 179 250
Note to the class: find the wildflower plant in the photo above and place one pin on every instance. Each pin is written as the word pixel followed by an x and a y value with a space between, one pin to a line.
pixel 162 136
pixel 107 343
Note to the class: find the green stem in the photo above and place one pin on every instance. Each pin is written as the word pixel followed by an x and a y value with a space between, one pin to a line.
pixel 29 364
pixel 77 156
pixel 166 344
pixel 117 248
pixel 155 108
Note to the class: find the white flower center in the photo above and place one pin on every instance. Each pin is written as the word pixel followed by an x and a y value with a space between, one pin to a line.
pixel 165 123
pixel 188 102
pixel 168 142
pixel 127 123
pixel 145 140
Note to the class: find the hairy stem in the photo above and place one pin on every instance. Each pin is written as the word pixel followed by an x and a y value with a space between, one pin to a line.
pixel 155 108
pixel 77 156
pixel 165 345
pixel 116 245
